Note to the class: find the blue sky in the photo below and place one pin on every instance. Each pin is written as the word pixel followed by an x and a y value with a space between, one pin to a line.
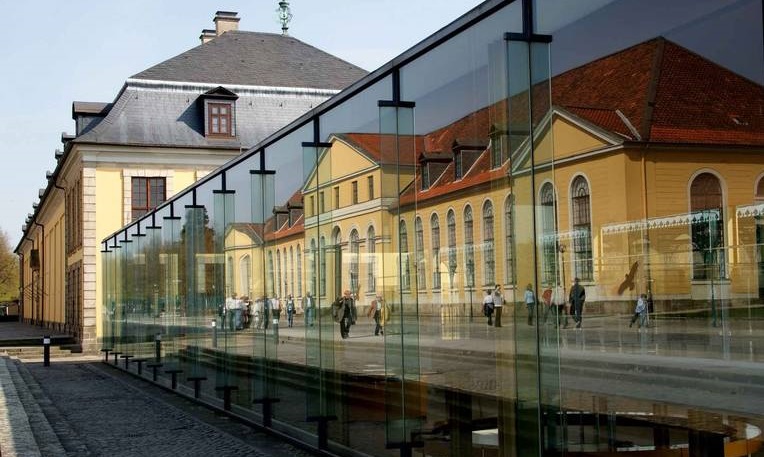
pixel 53 52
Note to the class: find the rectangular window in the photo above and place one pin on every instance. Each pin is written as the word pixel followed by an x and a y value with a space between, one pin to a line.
pixel 458 165
pixel 219 119
pixel 321 205
pixel 371 187
pixel 425 177
pixel 336 197
pixel 312 205
pixel 147 194
pixel 355 191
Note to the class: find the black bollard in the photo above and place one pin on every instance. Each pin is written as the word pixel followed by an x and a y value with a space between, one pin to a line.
pixel 46 351
pixel 158 346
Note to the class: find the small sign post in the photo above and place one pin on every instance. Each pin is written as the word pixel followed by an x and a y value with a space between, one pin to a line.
pixel 46 351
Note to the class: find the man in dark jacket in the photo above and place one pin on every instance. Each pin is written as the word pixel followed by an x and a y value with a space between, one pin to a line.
pixel 344 312
pixel 576 298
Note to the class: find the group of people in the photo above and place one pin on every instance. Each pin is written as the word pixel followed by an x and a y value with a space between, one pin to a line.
pixel 345 313
pixel 560 306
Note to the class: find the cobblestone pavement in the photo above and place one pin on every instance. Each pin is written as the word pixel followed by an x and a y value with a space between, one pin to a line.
pixel 96 410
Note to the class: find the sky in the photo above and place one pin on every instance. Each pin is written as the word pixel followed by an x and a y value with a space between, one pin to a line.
pixel 54 52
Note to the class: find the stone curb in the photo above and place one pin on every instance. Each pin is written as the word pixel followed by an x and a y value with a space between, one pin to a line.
pixel 17 439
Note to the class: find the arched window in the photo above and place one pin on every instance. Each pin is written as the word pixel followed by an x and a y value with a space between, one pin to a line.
pixel 707 227
pixel 435 231
pixel 245 275
pixel 312 282
pixel 760 190
pixel 322 267
pixel 354 254
pixel 291 271
pixel 404 243
pixel 269 278
pixel 548 217
pixel 299 271
pixel 420 271
pixel 509 240
pixel 230 285
pixel 469 248
pixel 451 222
pixel 371 271
pixel 489 274
pixel 583 263
pixel 279 290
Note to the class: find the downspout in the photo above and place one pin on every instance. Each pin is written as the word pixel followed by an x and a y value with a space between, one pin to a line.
pixel 21 287
pixel 31 301
pixel 42 275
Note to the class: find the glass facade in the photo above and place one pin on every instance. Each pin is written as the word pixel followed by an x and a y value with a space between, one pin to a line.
pixel 597 286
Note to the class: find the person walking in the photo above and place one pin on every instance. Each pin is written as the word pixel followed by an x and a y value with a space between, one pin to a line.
pixel 290 311
pixel 344 312
pixel 530 302
pixel 498 304
pixel 640 312
pixel 576 299
pixel 310 309
pixel 375 312
pixel 488 306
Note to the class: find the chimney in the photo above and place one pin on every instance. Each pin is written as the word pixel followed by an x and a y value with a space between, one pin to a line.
pixel 207 35
pixel 225 21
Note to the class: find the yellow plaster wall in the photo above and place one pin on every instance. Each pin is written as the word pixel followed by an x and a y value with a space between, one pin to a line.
pixel 109 210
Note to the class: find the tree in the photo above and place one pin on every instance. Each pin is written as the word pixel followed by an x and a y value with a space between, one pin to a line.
pixel 9 270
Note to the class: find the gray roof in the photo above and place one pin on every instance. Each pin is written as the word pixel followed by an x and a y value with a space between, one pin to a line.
pixel 90 107
pixel 175 117
pixel 256 59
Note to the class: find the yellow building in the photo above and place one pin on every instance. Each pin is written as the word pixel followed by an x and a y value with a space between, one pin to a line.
pixel 169 126
pixel 458 218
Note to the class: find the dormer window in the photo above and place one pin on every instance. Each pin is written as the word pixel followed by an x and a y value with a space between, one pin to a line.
pixel 219 119
pixel 498 147
pixel 466 153
pixel 432 166
pixel 219 108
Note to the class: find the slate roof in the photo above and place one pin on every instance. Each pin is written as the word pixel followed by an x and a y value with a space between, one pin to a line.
pixel 257 59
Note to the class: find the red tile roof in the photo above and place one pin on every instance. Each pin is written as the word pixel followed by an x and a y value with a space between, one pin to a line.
pixel 381 148
pixel 668 93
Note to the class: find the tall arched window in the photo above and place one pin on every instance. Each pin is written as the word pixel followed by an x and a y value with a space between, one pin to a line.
pixel 420 271
pixel 312 282
pixel 404 243
pixel 451 222
pixel 299 271
pixel 489 274
pixel 509 240
pixel 354 254
pixel 707 227
pixel 469 248
pixel 291 270
pixel 548 218
pixel 322 266
pixel 435 231
pixel 583 263
pixel 271 291
pixel 230 284
pixel 371 271
pixel 279 290
pixel 336 253
pixel 245 275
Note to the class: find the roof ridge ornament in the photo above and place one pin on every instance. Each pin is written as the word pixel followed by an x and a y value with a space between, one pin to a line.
pixel 285 16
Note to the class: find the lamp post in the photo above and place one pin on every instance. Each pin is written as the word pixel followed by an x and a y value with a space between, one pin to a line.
pixel 471 282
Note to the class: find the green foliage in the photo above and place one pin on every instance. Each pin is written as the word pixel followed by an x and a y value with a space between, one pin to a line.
pixel 9 270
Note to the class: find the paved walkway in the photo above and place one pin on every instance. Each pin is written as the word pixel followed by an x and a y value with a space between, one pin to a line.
pixel 12 333
pixel 90 409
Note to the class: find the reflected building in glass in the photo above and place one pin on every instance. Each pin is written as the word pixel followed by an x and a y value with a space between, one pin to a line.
pixel 492 164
